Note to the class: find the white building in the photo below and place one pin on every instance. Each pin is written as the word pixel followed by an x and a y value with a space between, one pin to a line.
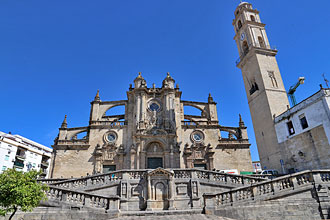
pixel 303 134
pixel 23 154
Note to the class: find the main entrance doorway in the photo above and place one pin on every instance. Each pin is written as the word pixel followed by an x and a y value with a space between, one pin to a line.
pixel 109 168
pixel 200 166
pixel 155 162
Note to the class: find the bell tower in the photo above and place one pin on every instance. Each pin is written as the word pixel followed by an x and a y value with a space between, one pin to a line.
pixel 264 87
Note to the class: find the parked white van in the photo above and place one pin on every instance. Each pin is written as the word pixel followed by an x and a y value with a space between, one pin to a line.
pixel 272 172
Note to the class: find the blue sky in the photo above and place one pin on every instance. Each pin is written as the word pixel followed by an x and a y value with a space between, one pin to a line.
pixel 54 55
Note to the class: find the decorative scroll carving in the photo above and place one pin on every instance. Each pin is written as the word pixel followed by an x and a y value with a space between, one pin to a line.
pixel 108 153
pixel 199 153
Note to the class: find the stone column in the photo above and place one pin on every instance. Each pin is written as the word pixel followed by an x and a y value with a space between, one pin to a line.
pixel 133 156
pixel 171 186
pixel 143 107
pixel 143 160
pixel 211 163
pixel 138 108
pixel 166 160
pixel 171 165
pixel 121 162
pixel 137 155
pixel 149 200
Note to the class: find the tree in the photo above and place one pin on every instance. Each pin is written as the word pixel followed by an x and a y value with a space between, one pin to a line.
pixel 20 190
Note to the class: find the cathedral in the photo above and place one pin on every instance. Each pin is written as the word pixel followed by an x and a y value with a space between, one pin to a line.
pixel 153 132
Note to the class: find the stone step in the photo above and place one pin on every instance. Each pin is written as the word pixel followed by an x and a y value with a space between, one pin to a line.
pixel 174 217
pixel 161 212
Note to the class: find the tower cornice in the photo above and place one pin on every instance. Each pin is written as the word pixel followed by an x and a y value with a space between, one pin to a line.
pixel 254 50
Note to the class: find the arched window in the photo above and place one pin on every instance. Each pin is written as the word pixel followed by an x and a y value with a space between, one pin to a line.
pixel 252 18
pixel 239 25
pixel 261 42
pixel 245 47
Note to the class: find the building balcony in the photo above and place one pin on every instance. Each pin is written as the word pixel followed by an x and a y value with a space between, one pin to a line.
pixel 45 163
pixel 18 164
pixel 21 156
pixel 43 172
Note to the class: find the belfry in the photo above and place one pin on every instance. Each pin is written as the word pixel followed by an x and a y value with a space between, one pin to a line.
pixel 153 131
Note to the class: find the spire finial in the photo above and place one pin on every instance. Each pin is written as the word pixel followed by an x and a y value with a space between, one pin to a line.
pixel 139 76
pixel 168 74
pixel 64 123
pixel 210 98
pixel 97 97
pixel 241 122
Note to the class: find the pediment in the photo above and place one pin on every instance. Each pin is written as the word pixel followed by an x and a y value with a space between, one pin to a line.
pixel 160 172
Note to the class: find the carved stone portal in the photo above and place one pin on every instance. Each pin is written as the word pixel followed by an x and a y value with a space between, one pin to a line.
pixel 198 155
pixel 160 192
pixel 107 155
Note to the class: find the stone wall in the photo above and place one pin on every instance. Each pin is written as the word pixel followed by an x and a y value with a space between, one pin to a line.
pixel 306 150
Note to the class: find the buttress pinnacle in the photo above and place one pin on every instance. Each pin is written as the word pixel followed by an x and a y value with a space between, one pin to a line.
pixel 64 123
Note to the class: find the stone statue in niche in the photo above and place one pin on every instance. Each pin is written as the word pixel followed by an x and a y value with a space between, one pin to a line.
pixel 98 165
pixel 155 147
pixel 153 120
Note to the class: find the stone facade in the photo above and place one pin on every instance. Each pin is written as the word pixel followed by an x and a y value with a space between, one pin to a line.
pixel 153 132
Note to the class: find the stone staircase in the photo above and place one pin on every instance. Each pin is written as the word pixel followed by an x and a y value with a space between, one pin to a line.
pixel 69 214
pixel 304 195
pixel 117 191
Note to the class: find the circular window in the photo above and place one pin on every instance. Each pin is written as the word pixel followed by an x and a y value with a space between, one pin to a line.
pixel 154 106
pixel 111 137
pixel 197 136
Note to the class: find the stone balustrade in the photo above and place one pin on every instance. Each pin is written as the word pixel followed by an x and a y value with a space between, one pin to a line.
pixel 204 175
pixel 112 124
pixel 73 142
pixel 50 181
pixel 216 176
pixel 89 180
pixel 82 199
pixel 260 190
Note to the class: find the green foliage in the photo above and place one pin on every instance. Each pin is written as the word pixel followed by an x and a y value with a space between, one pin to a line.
pixel 20 190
